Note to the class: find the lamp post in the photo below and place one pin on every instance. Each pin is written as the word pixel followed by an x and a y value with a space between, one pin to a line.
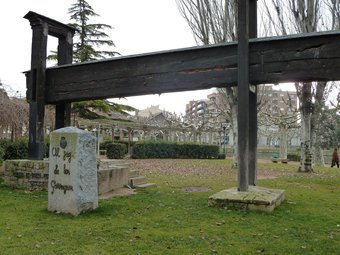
pixel 96 133
pixel 220 139
pixel 224 127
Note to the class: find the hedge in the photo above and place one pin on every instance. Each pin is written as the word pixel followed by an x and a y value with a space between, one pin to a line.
pixel 115 150
pixel 293 157
pixel 3 145
pixel 160 149
pixel 16 150
pixel 103 145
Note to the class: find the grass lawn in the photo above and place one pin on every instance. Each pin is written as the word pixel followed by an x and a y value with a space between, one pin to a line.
pixel 168 220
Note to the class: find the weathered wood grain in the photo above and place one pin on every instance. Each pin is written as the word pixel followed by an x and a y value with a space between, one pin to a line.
pixel 36 89
pixel 243 95
pixel 252 103
pixel 312 57
pixel 55 28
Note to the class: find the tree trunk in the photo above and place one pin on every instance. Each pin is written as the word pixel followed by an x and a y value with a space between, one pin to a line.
pixel 305 143
pixel 283 141
pixel 319 159
pixel 194 136
pixel 235 134
pixel 317 127
pixel 12 134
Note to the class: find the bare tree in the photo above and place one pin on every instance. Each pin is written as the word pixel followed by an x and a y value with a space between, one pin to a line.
pixel 215 21
pixel 304 16
pixel 271 115
pixel 333 7
pixel 13 115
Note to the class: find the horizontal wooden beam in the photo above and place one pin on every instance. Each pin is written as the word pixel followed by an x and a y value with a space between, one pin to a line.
pixel 55 28
pixel 306 57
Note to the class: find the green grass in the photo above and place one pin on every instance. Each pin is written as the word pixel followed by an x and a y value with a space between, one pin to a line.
pixel 166 220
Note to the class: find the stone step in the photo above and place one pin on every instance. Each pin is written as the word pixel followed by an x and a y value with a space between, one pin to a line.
pixel 146 185
pixel 133 173
pixel 125 165
pixel 111 163
pixel 139 180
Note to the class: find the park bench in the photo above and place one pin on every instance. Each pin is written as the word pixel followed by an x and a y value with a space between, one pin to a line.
pixel 275 159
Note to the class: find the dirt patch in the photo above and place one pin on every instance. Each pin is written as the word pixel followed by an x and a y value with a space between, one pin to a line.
pixel 194 189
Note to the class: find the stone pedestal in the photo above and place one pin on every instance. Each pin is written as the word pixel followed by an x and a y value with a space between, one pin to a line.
pixel 112 175
pixel 255 199
pixel 72 186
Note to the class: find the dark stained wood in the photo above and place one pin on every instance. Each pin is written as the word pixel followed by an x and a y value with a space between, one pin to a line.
pixel 311 57
pixel 36 78
pixel 37 93
pixel 65 54
pixel 243 95
pixel 252 103
pixel 55 28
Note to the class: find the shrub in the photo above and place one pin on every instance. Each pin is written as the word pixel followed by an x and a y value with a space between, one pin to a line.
pixel 2 152
pixel 293 157
pixel 103 145
pixel 3 145
pixel 161 149
pixel 126 144
pixel 115 150
pixel 221 156
pixel 16 150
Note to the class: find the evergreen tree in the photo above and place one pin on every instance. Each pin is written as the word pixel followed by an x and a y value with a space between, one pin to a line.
pixel 88 37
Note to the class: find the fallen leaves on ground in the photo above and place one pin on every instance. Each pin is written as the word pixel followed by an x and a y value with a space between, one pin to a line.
pixel 200 168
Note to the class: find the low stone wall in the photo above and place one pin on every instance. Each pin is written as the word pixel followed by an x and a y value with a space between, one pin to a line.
pixel 33 174
pixel 28 174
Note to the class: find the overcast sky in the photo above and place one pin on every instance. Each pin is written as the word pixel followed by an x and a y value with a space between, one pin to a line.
pixel 139 27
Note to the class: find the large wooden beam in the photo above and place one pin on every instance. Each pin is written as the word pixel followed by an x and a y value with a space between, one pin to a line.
pixel 243 94
pixel 36 94
pixel 312 57
pixel 36 78
pixel 65 54
pixel 55 28
pixel 252 103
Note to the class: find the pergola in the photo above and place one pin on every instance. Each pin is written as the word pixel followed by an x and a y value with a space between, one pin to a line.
pixel 249 62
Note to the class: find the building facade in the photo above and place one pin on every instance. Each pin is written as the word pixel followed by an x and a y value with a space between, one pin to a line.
pixel 274 105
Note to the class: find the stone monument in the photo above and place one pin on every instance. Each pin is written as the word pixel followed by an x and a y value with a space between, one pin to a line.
pixel 72 186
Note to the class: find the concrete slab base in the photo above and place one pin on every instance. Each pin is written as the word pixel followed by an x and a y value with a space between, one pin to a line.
pixel 120 192
pixel 145 185
pixel 255 199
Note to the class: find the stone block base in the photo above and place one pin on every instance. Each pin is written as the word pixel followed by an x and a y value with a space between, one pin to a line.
pixel 112 178
pixel 33 174
pixel 255 199
pixel 27 174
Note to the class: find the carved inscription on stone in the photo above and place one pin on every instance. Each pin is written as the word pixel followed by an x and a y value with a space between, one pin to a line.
pixel 62 157
pixel 72 186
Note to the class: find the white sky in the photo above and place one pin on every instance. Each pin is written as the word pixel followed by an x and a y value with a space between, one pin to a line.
pixel 139 27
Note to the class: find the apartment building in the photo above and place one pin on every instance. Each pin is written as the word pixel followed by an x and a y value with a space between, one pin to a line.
pixel 276 103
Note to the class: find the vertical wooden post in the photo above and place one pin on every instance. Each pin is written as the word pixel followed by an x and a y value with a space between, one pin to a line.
pixel 63 110
pixel 252 102
pixel 37 90
pixel 243 94
pixel 36 78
